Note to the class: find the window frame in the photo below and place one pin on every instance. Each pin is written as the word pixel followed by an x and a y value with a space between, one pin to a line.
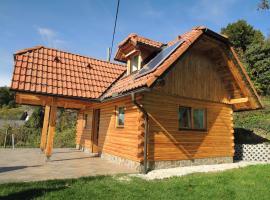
pixel 117 116
pixel 190 116
pixel 204 129
pixel 132 61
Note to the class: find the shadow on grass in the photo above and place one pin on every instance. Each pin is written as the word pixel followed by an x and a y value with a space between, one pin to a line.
pixel 48 186
pixel 246 136
pixel 30 193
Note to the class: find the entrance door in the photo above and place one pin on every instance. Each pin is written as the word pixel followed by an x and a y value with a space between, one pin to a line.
pixel 96 116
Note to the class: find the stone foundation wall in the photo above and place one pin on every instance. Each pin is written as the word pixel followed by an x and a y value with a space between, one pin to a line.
pixel 184 163
pixel 252 152
pixel 123 161
pixel 166 164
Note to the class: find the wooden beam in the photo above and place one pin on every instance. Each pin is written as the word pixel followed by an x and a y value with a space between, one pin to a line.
pixel 131 53
pixel 51 132
pixel 45 128
pixel 42 100
pixel 238 79
pixel 239 100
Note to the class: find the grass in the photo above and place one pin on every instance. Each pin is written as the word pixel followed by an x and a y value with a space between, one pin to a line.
pixel 257 121
pixel 247 183
pixel 12 113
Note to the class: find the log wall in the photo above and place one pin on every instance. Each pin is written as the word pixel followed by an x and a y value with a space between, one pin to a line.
pixel 124 141
pixel 167 142
pixel 83 132
pixel 195 76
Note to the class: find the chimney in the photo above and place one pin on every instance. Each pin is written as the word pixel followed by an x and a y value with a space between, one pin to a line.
pixel 109 54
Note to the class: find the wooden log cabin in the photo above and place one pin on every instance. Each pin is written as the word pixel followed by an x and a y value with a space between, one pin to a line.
pixel 167 104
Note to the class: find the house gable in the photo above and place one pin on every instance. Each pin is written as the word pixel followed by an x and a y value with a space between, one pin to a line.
pixel 195 76
pixel 210 70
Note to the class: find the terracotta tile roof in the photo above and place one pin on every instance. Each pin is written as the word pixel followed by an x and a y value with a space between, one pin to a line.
pixel 127 83
pixel 51 71
pixel 140 39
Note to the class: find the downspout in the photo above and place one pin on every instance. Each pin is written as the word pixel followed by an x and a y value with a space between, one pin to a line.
pixel 141 108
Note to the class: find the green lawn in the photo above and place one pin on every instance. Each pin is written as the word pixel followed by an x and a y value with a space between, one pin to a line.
pixel 247 183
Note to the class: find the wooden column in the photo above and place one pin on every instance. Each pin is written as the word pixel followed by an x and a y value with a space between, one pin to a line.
pixel 45 128
pixel 51 132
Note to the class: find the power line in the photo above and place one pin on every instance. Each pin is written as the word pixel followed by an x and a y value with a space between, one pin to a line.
pixel 115 22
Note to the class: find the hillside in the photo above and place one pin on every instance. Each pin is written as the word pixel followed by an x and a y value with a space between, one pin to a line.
pixel 249 124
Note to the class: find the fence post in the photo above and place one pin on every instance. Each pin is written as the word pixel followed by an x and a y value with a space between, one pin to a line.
pixel 12 138
pixel 6 138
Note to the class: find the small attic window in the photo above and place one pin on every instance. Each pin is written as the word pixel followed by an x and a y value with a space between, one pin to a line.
pixel 134 63
pixel 57 59
pixel 87 65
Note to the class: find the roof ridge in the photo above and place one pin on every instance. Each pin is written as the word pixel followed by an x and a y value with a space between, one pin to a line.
pixel 135 35
pixel 28 49
pixel 63 51
pixel 149 39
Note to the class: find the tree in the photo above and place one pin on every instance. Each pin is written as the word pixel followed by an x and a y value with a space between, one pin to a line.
pixel 241 34
pixel 254 50
pixel 257 57
pixel 6 97
pixel 263 5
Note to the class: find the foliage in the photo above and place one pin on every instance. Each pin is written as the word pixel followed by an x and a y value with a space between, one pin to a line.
pixel 254 50
pixel 263 5
pixel 7 97
pixel 241 34
pixel 36 119
pixel 257 58
pixel 29 134
pixel 247 183
pixel 65 138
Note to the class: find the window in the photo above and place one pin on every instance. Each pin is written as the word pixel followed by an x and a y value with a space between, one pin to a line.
pixel 134 63
pixel 199 118
pixel 120 119
pixel 192 118
pixel 185 117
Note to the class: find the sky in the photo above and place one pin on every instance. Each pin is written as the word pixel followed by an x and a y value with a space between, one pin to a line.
pixel 85 26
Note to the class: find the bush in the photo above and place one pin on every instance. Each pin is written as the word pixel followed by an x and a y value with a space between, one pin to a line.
pixel 29 134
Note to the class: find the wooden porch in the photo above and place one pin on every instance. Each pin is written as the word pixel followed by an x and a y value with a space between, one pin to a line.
pixel 51 104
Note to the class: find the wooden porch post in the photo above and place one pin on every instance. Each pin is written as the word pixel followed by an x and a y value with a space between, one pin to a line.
pixel 51 132
pixel 45 128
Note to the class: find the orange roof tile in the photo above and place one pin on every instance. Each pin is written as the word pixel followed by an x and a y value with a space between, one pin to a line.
pixel 136 40
pixel 51 71
pixel 127 83
pixel 140 39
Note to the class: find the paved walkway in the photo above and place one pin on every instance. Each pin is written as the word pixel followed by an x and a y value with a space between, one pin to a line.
pixel 29 165
pixel 182 171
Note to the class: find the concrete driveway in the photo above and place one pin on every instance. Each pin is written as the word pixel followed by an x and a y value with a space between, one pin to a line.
pixel 23 165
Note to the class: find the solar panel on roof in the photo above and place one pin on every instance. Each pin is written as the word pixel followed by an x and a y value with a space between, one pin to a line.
pixel 158 59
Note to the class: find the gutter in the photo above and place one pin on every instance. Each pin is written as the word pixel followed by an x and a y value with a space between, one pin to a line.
pixel 141 89
pixel 146 130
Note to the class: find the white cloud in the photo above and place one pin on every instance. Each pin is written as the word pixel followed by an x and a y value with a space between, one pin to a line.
pixel 50 37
